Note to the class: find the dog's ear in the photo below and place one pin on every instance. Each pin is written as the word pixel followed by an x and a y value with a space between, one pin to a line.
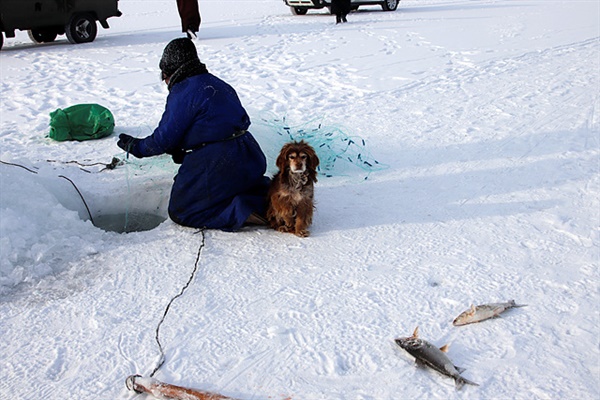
pixel 312 162
pixel 281 161
pixel 313 159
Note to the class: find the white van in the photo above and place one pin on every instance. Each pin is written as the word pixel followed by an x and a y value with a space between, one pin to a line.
pixel 301 7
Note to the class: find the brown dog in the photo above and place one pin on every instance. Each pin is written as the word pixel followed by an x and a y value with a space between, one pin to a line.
pixel 291 195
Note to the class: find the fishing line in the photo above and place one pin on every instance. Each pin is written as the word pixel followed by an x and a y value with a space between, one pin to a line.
pixel 128 202
pixel 19 165
pixel 82 199
pixel 161 360
pixel 112 165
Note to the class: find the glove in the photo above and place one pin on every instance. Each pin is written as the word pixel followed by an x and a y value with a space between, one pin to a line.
pixel 178 156
pixel 129 144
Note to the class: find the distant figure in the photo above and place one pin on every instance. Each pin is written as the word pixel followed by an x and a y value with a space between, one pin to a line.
pixel 340 8
pixel 190 17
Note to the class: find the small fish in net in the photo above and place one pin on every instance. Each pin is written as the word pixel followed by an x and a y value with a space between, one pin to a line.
pixel 338 152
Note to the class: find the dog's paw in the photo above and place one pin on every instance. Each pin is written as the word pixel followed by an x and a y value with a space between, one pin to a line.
pixel 284 229
pixel 302 233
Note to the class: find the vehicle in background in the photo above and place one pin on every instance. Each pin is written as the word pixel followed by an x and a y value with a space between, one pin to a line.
pixel 301 7
pixel 44 20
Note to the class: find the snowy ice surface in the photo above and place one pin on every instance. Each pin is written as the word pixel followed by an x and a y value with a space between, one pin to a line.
pixel 487 114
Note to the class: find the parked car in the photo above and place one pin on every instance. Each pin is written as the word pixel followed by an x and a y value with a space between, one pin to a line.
pixel 301 7
pixel 44 20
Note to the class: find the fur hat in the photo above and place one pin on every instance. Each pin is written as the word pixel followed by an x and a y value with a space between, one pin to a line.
pixel 177 52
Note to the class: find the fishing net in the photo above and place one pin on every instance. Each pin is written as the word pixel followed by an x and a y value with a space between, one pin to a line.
pixel 340 154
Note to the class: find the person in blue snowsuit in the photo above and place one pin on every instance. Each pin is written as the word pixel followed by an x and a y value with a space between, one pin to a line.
pixel 221 183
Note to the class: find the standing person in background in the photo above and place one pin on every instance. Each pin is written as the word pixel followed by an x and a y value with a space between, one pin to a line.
pixel 189 13
pixel 340 8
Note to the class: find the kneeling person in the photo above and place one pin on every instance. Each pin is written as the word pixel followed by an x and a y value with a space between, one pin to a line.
pixel 221 183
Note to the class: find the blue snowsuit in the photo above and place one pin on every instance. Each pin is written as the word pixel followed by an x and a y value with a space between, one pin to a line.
pixel 221 180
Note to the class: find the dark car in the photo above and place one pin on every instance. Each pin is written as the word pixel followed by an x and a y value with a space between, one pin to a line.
pixel 46 19
pixel 301 7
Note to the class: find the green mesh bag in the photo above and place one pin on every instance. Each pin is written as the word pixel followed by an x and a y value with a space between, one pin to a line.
pixel 81 122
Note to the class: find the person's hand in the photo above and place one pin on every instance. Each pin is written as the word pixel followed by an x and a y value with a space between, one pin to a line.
pixel 178 156
pixel 129 144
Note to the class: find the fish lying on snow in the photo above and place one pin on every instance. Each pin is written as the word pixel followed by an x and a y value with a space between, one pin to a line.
pixel 427 354
pixel 483 312
pixel 161 390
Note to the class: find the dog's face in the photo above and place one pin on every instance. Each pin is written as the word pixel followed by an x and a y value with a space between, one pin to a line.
pixel 299 157
pixel 297 161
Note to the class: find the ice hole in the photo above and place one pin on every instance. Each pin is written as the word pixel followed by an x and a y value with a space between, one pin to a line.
pixel 140 208
pixel 116 205
pixel 128 222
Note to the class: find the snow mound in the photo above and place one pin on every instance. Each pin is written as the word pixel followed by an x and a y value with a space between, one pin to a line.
pixel 38 235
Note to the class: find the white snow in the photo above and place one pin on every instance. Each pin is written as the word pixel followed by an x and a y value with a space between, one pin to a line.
pixel 486 113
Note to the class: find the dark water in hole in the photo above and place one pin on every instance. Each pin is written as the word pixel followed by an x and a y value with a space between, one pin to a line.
pixel 130 222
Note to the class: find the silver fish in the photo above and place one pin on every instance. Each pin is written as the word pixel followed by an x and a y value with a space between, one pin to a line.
pixel 483 312
pixel 427 354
